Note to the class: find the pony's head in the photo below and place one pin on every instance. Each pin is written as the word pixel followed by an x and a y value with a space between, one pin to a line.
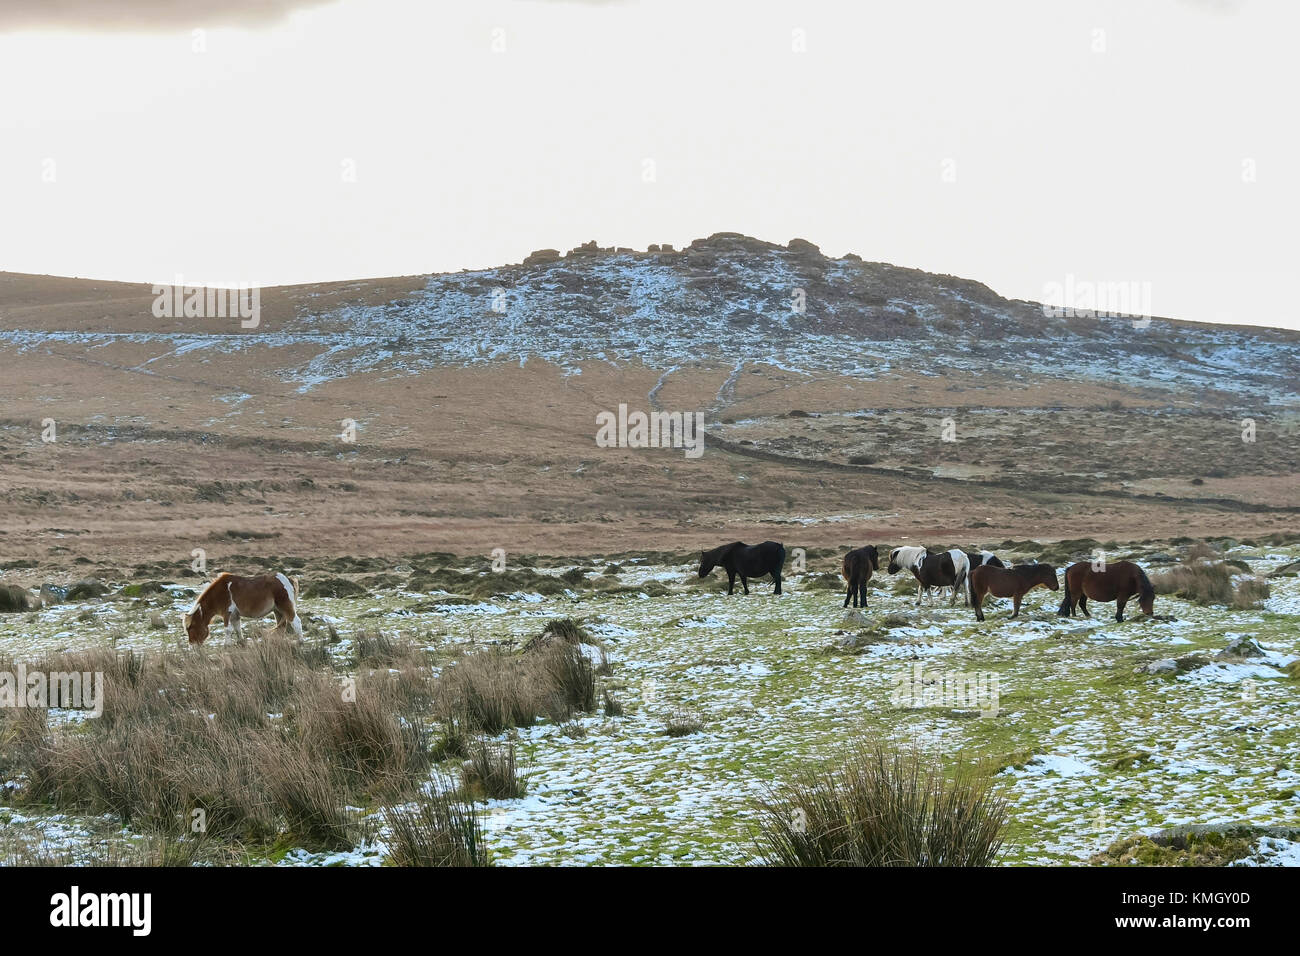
pixel 874 556
pixel 1146 594
pixel 1048 574
pixel 196 626
pixel 894 566
pixel 706 564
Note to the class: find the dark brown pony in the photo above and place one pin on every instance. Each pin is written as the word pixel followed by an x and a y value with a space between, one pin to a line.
pixel 1014 583
pixel 858 566
pixel 1118 582
pixel 747 560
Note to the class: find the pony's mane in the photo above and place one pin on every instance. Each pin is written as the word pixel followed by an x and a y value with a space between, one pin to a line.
pixel 723 549
pixel 1148 590
pixel 204 593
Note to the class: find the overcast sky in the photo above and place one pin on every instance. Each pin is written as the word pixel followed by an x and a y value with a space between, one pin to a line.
pixel 1017 143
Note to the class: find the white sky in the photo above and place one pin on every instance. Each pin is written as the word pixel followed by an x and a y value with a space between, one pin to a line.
pixel 225 166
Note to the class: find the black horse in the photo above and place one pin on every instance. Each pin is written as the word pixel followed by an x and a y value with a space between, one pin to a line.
pixel 749 561
pixel 857 569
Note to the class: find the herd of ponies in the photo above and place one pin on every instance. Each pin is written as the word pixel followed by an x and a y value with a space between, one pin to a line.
pixel 974 574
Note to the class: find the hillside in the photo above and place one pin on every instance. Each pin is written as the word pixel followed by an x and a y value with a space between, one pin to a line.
pixel 475 394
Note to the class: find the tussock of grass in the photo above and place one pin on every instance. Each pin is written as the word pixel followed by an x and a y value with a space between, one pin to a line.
pixel 438 829
pixel 882 808
pixel 491 691
pixel 1251 593
pixel 682 724
pixel 613 706
pixel 562 629
pixel 491 772
pixel 1202 583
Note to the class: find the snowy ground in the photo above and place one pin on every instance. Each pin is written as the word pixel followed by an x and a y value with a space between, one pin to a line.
pixel 1088 748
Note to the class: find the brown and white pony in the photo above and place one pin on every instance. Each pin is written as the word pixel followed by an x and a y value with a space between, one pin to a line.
pixel 232 597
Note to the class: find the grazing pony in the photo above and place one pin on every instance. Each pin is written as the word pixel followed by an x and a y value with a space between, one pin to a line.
pixel 747 560
pixel 947 569
pixel 1118 582
pixel 231 597
pixel 1008 582
pixel 857 569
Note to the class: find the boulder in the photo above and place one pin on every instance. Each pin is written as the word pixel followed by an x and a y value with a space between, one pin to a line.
pixel 53 594
pixel 542 255
pixel 86 588
pixel 1240 648
pixel 14 599
pixel 1286 571
pixel 1165 665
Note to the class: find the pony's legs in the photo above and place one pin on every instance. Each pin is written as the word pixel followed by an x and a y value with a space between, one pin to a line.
pixel 977 601
pixel 731 582
pixel 862 593
pixel 777 575
pixel 1016 611
pixel 744 583
pixel 1083 604
pixel 232 623
pixel 286 617
pixel 852 594
pixel 1119 609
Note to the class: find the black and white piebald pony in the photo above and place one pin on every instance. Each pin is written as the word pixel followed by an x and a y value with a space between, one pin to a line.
pixel 947 569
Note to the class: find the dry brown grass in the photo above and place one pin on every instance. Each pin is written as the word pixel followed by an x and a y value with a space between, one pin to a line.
pixel 1203 583
pixel 492 691
pixel 1251 593
pixel 248 743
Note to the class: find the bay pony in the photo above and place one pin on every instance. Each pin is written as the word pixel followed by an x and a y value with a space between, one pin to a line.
pixel 231 597
pixel 1113 582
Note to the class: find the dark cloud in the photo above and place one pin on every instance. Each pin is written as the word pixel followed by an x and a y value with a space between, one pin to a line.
pixel 144 15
